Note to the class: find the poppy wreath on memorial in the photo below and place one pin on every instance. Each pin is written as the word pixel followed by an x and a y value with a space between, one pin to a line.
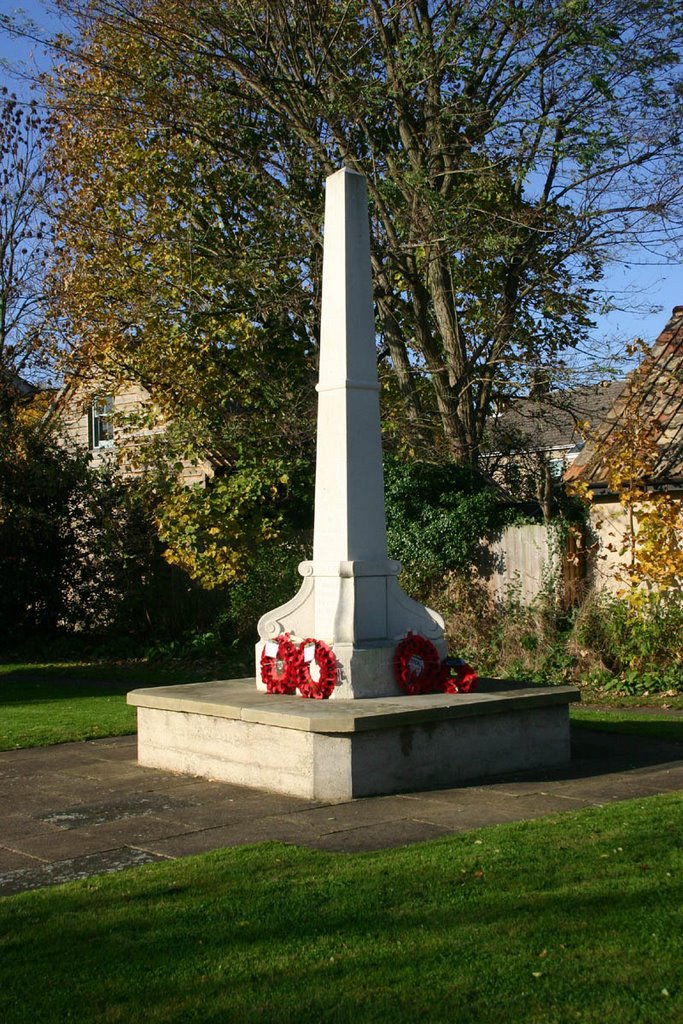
pixel 281 672
pixel 461 677
pixel 324 659
pixel 417 665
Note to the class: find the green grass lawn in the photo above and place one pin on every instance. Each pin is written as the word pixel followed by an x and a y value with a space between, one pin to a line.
pixel 575 918
pixel 578 918
pixel 42 704
pixel 641 723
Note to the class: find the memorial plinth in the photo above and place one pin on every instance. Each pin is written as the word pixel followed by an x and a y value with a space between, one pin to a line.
pixel 324 750
pixel 369 737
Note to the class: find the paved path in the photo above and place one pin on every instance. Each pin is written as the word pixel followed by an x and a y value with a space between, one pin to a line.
pixel 79 809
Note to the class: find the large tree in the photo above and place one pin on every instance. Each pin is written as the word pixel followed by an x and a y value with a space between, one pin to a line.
pixel 512 147
pixel 160 274
pixel 24 245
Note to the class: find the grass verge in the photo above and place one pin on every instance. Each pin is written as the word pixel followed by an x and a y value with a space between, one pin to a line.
pixel 578 918
pixel 667 700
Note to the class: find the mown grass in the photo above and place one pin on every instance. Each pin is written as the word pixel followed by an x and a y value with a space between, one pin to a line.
pixel 575 918
pixel 59 702
pixel 658 726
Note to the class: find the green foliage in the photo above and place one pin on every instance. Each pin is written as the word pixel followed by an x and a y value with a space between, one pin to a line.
pixel 211 531
pixel 507 640
pixel 79 549
pixel 607 646
pixel 509 148
pixel 111 581
pixel 272 579
pixel 163 275
pixel 437 517
pixel 217 533
pixel 639 643
pixel 38 481
pixel 268 578
pixel 116 581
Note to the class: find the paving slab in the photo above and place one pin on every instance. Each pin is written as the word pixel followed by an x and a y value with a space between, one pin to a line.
pixel 73 870
pixel 80 809
pixel 380 836
pixel 17 828
pixel 118 773
pixel 358 812
pixel 82 815
pixel 198 818
pixel 134 832
pixel 284 829
pixel 10 861
pixel 495 807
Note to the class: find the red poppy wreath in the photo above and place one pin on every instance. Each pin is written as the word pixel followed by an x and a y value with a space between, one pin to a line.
pixel 417 665
pixel 318 676
pixel 280 670
pixel 461 677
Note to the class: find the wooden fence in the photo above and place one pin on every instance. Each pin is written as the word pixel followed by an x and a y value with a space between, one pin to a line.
pixel 527 561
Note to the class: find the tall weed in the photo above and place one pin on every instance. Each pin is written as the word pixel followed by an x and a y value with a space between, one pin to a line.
pixel 630 646
pixel 638 641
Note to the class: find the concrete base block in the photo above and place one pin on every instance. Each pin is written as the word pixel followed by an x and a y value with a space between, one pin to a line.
pixel 339 750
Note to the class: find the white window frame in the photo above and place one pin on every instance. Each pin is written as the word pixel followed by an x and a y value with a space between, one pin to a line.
pixel 101 411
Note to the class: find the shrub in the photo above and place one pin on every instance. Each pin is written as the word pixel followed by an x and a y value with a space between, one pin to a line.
pixel 638 640
pixel 79 552
pixel 437 517
pixel 272 579
pixel 508 640
pixel 37 483
pixel 610 643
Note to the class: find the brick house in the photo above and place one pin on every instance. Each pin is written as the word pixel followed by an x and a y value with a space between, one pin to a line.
pixel 653 399
pixel 116 425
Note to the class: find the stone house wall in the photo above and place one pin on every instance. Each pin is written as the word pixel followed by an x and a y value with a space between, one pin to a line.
pixel 126 446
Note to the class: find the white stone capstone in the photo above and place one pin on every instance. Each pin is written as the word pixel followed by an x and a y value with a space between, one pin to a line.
pixel 350 597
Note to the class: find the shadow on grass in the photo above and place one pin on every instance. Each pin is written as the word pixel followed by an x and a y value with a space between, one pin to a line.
pixel 659 728
pixel 28 683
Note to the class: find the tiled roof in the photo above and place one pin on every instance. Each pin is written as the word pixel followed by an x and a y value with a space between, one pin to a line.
pixel 23 387
pixel 554 420
pixel 654 391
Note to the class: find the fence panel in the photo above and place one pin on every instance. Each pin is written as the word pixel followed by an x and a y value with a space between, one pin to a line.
pixel 526 560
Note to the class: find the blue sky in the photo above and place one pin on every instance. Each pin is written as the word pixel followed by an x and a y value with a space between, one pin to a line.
pixel 653 286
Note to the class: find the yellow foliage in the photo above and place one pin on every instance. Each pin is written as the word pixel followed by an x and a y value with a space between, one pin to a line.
pixel 648 537
pixel 212 533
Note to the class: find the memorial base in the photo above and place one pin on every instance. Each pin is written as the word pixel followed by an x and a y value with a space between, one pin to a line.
pixel 335 751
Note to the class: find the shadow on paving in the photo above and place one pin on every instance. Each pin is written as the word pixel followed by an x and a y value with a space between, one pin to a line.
pixel 80 809
pixel 597 752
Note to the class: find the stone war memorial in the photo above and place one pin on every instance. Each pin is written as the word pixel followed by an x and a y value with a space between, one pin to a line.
pixel 352 694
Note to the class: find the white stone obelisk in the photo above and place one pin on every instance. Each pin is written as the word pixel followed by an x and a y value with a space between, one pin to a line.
pixel 350 597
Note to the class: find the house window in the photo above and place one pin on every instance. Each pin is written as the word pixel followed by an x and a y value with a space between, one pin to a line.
pixel 557 468
pixel 101 422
